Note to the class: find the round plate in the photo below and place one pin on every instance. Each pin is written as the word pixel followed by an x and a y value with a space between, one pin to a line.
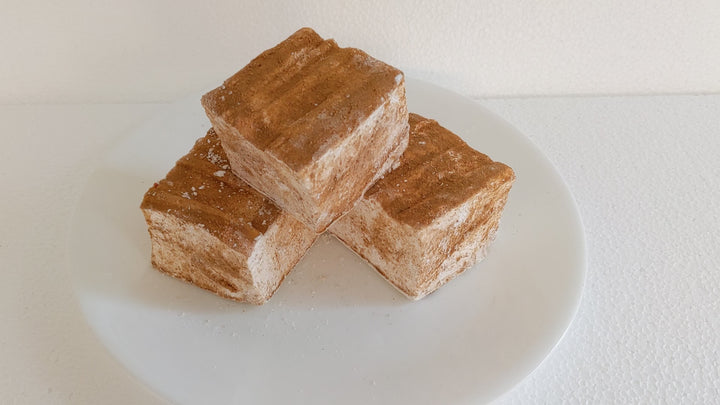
pixel 335 331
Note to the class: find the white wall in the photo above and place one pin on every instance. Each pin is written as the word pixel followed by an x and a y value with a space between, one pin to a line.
pixel 137 50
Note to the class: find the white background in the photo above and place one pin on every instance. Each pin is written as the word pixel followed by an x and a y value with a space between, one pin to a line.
pixel 644 170
pixel 138 50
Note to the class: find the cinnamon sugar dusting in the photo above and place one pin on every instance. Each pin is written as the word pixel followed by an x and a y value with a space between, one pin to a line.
pixel 302 97
pixel 199 191
pixel 437 173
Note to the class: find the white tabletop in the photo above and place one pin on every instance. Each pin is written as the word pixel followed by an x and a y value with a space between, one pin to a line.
pixel 645 172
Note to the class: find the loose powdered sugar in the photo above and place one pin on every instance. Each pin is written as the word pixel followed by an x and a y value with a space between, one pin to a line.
pixel 214 158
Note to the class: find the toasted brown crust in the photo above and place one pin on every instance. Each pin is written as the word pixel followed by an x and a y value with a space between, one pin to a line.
pixel 437 172
pixel 211 229
pixel 311 125
pixel 433 216
pixel 302 97
pixel 201 189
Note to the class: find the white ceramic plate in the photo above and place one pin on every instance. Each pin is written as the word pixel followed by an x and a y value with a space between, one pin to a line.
pixel 335 332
